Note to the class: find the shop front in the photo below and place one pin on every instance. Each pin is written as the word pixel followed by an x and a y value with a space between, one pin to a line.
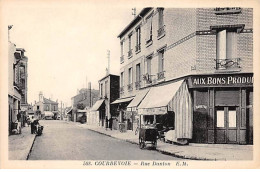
pixel 124 117
pixel 222 108
pixel 171 106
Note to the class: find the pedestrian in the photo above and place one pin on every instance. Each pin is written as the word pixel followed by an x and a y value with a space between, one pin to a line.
pixel 106 125
pixel 110 123
pixel 32 125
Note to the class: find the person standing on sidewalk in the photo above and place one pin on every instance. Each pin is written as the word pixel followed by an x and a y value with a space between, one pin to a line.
pixel 106 124
pixel 110 123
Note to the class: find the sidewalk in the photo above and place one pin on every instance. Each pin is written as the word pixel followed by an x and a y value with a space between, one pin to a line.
pixel 192 151
pixel 20 145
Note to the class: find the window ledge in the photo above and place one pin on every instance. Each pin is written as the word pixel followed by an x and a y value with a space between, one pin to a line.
pixel 149 43
pixel 138 51
pixel 161 36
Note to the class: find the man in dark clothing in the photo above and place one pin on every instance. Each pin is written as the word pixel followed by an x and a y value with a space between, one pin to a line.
pixel 106 125
pixel 110 123
pixel 32 125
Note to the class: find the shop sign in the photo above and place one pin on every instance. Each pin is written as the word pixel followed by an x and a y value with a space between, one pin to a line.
pixel 221 81
pixel 153 111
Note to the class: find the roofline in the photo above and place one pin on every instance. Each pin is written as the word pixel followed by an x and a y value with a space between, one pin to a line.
pixel 107 76
pixel 135 20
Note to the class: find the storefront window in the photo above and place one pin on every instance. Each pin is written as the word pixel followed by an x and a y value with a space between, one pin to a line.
pixel 232 118
pixel 220 118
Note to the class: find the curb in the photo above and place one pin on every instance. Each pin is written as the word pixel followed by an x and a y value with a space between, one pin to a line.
pixel 158 150
pixel 31 148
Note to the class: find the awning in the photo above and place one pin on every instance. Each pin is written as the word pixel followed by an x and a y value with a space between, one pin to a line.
pixel 137 100
pixel 122 100
pixel 158 98
pixel 97 105
pixel 69 111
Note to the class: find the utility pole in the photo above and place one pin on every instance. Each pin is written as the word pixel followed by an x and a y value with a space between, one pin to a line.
pixel 134 12
pixel 9 28
pixel 90 102
pixel 108 58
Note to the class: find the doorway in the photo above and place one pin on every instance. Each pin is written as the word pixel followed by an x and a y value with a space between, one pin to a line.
pixel 226 124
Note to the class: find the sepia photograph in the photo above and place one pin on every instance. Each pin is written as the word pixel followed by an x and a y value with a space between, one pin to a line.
pixel 97 85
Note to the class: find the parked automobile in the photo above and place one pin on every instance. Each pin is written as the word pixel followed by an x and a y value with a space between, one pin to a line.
pixel 48 115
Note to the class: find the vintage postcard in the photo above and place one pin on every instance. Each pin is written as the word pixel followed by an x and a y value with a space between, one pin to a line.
pixel 129 84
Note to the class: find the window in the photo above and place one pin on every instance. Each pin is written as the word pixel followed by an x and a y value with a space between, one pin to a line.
pixel 106 87
pixel 161 31
pixel 138 76
pixel 38 107
pixel 130 46
pixel 160 65
pixel 227 49
pixel 122 47
pixel 101 90
pixel 138 39
pixel 149 30
pixel 148 65
pixel 220 118
pixel 122 79
pixel 130 75
pixel 47 108
pixel 138 72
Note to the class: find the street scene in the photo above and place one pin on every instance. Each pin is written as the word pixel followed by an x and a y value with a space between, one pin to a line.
pixel 153 83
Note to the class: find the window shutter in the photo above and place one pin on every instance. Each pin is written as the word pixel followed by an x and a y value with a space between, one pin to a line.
pixel 231 45
pixel 148 28
pixel 221 44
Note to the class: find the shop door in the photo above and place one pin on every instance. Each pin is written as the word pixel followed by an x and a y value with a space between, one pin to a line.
pixel 226 124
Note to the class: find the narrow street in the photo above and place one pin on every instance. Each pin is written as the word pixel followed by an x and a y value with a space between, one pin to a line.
pixel 66 141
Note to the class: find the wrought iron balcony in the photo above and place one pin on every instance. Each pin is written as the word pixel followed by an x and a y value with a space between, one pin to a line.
pixel 122 59
pixel 130 53
pixel 137 85
pixel 147 78
pixel 160 75
pixel 138 47
pixel 161 31
pixel 122 89
pixel 227 63
pixel 130 87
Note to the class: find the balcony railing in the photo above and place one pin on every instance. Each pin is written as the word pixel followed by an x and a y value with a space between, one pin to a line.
pixel 160 75
pixel 130 53
pixel 147 78
pixel 122 89
pixel 122 59
pixel 161 31
pixel 137 85
pixel 130 87
pixel 227 63
pixel 138 47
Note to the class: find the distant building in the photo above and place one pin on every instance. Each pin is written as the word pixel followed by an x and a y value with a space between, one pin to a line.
pixel 44 105
pixel 85 99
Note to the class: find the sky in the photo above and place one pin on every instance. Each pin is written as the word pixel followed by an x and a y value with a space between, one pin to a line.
pixel 66 44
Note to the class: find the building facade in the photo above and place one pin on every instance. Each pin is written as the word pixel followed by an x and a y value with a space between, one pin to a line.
pixel 46 105
pixel 108 92
pixel 208 54
pixel 17 86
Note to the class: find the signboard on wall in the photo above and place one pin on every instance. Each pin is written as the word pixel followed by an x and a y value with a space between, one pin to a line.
pixel 153 111
pixel 235 80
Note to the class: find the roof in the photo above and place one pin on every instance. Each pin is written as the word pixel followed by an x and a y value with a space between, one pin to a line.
pixel 49 101
pixel 107 76
pixel 134 21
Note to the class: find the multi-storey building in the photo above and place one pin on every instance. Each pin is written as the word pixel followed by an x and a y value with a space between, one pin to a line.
pixel 22 77
pixel 17 85
pixel 108 92
pixel 194 66
pixel 85 99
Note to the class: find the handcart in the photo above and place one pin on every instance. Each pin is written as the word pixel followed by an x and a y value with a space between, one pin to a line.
pixel 148 135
